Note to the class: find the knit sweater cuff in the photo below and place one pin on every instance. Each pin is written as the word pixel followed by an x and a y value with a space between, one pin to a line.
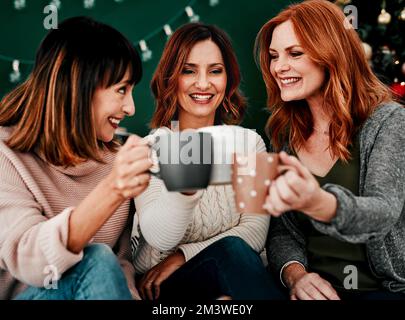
pixel 190 250
pixel 53 238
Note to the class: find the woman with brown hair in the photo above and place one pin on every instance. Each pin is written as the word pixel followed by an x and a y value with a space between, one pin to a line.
pixel 66 185
pixel 196 245
pixel 340 231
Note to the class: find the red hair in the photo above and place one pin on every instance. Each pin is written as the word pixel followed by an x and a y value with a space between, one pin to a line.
pixel 165 79
pixel 351 91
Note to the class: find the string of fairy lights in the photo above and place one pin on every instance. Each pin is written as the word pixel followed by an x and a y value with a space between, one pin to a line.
pixel 189 10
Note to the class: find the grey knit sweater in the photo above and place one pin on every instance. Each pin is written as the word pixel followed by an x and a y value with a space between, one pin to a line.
pixel 376 217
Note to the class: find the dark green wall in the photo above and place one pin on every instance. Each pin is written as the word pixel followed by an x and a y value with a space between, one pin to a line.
pixel 21 32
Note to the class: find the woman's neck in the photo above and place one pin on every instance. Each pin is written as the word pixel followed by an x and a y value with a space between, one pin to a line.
pixel 319 114
pixel 187 122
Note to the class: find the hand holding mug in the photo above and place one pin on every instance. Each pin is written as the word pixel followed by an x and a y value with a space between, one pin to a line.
pixel 251 177
pixel 129 175
pixel 296 189
pixel 181 159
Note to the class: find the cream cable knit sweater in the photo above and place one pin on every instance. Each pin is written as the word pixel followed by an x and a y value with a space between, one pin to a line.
pixel 171 220
pixel 36 200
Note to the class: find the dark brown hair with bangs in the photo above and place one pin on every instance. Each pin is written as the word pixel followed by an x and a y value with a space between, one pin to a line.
pixel 165 79
pixel 52 110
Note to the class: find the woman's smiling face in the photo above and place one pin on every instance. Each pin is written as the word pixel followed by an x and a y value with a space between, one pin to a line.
pixel 297 76
pixel 202 83
pixel 110 106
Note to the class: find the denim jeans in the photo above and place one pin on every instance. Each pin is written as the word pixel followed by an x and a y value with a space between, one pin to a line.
pixel 98 276
pixel 229 267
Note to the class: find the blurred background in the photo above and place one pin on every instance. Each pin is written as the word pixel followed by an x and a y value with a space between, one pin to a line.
pixel 148 23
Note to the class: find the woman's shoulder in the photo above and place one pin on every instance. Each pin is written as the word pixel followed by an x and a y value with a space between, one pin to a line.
pixel 12 162
pixel 391 111
pixel 5 150
pixel 387 119
pixel 242 133
pixel 5 132
pixel 254 139
pixel 241 130
pixel 158 131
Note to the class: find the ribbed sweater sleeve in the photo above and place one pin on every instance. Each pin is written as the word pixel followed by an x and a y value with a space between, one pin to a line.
pixel 164 216
pixel 28 238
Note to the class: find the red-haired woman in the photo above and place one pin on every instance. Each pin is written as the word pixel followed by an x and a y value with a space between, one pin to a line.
pixel 197 245
pixel 340 231
pixel 65 214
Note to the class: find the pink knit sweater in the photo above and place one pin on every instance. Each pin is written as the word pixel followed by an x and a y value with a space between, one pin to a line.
pixel 36 200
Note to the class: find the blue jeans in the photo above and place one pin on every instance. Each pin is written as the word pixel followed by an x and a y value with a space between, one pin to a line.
pixel 229 267
pixel 98 276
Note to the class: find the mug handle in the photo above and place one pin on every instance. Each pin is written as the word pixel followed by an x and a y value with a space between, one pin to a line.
pixel 123 137
pixel 155 174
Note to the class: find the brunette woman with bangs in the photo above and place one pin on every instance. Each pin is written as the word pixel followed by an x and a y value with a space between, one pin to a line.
pixel 66 185
pixel 340 231
pixel 195 245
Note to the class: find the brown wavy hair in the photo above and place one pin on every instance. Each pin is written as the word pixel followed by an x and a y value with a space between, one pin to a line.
pixel 51 111
pixel 351 91
pixel 164 82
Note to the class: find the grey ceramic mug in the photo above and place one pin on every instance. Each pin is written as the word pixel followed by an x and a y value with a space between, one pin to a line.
pixel 184 159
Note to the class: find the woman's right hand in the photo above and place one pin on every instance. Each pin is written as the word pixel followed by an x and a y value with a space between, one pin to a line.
pixel 308 286
pixel 129 176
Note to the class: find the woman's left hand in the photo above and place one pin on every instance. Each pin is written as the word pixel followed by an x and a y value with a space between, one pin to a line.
pixel 297 189
pixel 149 286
